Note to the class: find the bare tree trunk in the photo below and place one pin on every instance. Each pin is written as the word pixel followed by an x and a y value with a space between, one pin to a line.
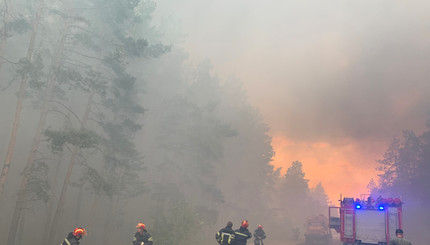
pixel 113 212
pixel 75 150
pixel 6 18
pixel 53 183
pixel 21 200
pixel 51 201
pixel 21 229
pixel 94 207
pixel 18 110
pixel 78 206
pixel 108 221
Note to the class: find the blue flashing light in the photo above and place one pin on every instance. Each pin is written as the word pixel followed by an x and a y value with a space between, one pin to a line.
pixel 381 208
pixel 358 206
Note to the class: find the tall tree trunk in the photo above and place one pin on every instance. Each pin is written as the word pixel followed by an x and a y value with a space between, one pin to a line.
pixel 18 110
pixel 108 221
pixel 75 150
pixel 113 213
pixel 51 201
pixel 94 207
pixel 21 200
pixel 54 183
pixel 20 230
pixel 3 38
pixel 78 205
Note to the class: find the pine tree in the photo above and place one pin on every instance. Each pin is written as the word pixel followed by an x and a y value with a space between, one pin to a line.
pixel 26 68
pixel 372 186
pixel 319 199
pixel 295 192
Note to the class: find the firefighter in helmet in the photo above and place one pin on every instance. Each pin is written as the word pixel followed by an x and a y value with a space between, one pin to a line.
pixel 74 236
pixel 242 234
pixel 142 236
pixel 259 235
pixel 225 235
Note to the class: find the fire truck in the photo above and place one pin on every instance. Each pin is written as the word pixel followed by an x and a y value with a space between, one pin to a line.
pixel 317 231
pixel 366 221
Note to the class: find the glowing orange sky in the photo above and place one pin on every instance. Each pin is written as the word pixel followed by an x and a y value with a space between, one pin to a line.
pixel 343 169
pixel 333 84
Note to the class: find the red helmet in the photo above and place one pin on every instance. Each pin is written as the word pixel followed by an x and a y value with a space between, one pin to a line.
pixel 260 226
pixel 244 223
pixel 141 225
pixel 79 231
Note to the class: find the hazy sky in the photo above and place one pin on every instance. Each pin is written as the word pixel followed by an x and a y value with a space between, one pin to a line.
pixel 335 80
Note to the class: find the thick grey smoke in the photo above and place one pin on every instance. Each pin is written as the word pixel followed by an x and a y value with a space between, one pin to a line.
pixel 319 70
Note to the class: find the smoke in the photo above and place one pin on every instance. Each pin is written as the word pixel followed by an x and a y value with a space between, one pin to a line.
pixel 346 74
pixel 319 70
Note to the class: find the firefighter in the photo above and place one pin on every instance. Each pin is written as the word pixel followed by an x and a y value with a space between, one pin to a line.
pixel 242 234
pixel 370 201
pixel 225 235
pixel 74 236
pixel 399 240
pixel 259 235
pixel 142 236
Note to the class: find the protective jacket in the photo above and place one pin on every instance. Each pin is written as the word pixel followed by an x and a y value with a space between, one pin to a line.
pixel 70 240
pixel 259 235
pixel 241 235
pixel 145 237
pixel 399 241
pixel 225 235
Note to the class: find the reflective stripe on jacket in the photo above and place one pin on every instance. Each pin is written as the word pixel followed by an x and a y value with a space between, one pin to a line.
pixel 70 240
pixel 241 235
pixel 225 236
pixel 146 238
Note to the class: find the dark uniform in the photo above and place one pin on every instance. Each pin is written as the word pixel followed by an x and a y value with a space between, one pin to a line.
pixel 399 241
pixel 225 235
pixel 259 235
pixel 146 238
pixel 241 235
pixel 70 240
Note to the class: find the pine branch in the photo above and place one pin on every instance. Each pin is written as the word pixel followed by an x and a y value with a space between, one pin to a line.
pixel 84 55
pixel 8 85
pixel 8 61
pixel 67 108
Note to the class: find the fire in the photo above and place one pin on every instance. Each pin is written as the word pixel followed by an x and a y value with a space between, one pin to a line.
pixel 342 168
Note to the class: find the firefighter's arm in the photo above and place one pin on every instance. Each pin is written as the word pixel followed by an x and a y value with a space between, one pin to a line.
pixel 71 242
pixel 135 241
pixel 231 238
pixel 150 241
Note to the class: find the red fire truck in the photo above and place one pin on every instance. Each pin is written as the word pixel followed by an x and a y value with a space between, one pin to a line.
pixel 365 220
